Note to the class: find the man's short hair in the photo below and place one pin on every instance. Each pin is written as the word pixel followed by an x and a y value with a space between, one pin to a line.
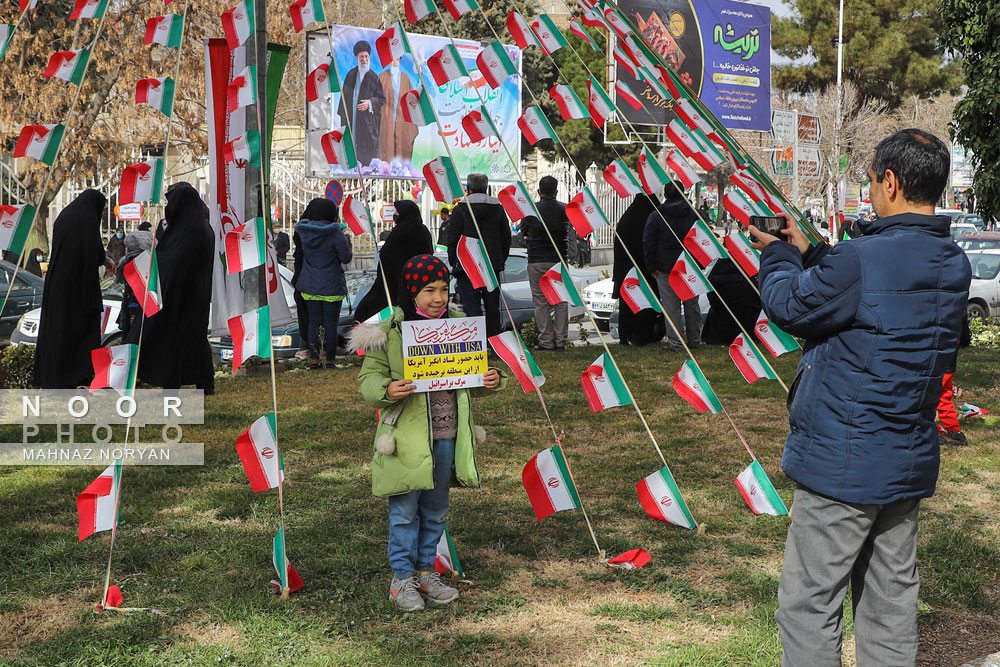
pixel 548 185
pixel 920 161
pixel 477 183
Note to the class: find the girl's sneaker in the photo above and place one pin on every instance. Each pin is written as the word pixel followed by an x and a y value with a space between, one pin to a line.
pixel 433 589
pixel 404 593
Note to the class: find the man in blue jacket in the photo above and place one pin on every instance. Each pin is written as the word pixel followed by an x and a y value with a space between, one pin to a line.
pixel 880 315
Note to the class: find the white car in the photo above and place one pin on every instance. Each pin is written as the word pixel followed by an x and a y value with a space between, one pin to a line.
pixel 598 299
pixel 515 279
pixel 984 293
pixel 960 229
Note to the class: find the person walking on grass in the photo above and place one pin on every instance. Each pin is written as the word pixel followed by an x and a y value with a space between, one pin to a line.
pixel 542 239
pixel 422 440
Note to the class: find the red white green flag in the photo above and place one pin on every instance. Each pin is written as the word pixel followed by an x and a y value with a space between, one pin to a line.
pixel 97 505
pixel 652 80
pixel 246 246
pixel 244 149
pixel 478 125
pixel 682 170
pixel 143 276
pixel 304 12
pixel 662 500
pixel 6 34
pixel 774 339
pixel 142 182
pixel 443 179
pixel 414 10
pixel 591 17
pixel 357 216
pixel 459 8
pixel 67 65
pixel 744 180
pixel 114 368
pixel 585 213
pixel 446 559
pixel 741 209
pixel 693 387
pixel 570 106
pixel 599 104
pixel 691 144
pixel 687 280
pixel 391 44
pixel 242 90
pixel 693 117
pixel 316 83
pixel 739 249
pixel 164 30
pixel 380 316
pixel 446 65
pixel 238 23
pixel 638 54
pixel 509 347
pixel 603 385
pixel 632 559
pixel 476 263
pixel 700 241
pixel 521 31
pixel 535 126
pixel 625 93
pixel 654 177
pixel 416 107
pixel 576 27
pixel 749 360
pixel 557 285
pixel 516 201
pixel 757 490
pixel 338 147
pixel 494 64
pixel 637 294
pixel 622 179
pixel 251 334
pixel 88 9
pixel 625 61
pixel 617 22
pixel 40 142
pixel 288 577
pixel 26 5
pixel 549 484
pixel 258 450
pixel 548 34
pixel 15 225
pixel 157 93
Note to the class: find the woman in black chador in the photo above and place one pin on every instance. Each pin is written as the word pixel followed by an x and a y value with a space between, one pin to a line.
pixel 175 349
pixel 70 325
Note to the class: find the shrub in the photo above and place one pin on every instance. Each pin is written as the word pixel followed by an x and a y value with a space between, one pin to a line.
pixel 529 332
pixel 17 366
pixel 985 333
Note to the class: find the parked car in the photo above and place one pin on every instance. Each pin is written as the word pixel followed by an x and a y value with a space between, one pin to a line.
pixel 979 241
pixel 972 219
pixel 960 229
pixel 25 295
pixel 598 299
pixel 984 293
pixel 26 329
pixel 953 213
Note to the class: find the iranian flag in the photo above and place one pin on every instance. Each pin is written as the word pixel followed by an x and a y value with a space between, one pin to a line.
pixel 246 246
pixel 535 126
pixel 446 558
pixel 516 201
pixel 245 148
pixel 690 144
pixel 654 178
pixel 40 142
pixel 682 170
pixel 700 241
pixel 549 484
pixel 694 388
pixel 625 61
pixel 622 179
pixel 494 64
pixel 68 65
pixel 288 577
pixel 509 347
pixel 774 339
pixel 570 106
pixel 576 27
pixel 88 9
pixel 304 12
pixel 242 90
pixel 416 107
pixel 662 500
pixel 459 8
pixel 25 5
pixel 238 23
pixel 599 104
pixel 548 34
pixel 478 125
pixel 617 22
pixel 6 34
pixel 745 181
pixel 749 360
pixel 357 216
pixel 758 491
pixel 653 82
pixel 258 450
pixel 391 44
pixel 624 92
pixel 114 368
pixel 338 147
pixel 632 559
pixel 476 263
pixel 414 10
pixel 380 316
pixel 585 213
pixel 557 285
pixel 143 276
pixel 687 280
pixel 521 31
pixel 637 293
pixel 157 93
pixel 142 182
pixel 15 225
pixel 446 65
pixel 97 505
pixel 638 53
pixel 603 385
pixel 317 84
pixel 164 30
pixel 251 334
pixel 443 179
pixel 739 249
pixel 740 208
pixel 693 118
pixel 592 17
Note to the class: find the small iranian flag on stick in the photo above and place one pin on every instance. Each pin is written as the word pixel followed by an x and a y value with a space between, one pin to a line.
pixel 142 182
pixel 624 60
pixel 15 225
pixel 478 125
pixel 476 264
pixel 114 368
pixel 416 107
pixel 687 280
pixel 164 30
pixel 257 448
pixel 624 92
pixel 737 205
pixel 576 27
pixel 316 83
pixel 357 216
pixel 622 179
pixel 682 170
pixel 654 177
pixel 6 34
pixel 749 360
pixel 143 276
pixel 245 148
pixel 446 559
pixel 516 201
pixel 238 23
pixel 637 293
pixel 700 241
pixel 520 31
pixel 242 90
pixel 739 249
pixel 599 104
pixel 570 106
pixel 68 65
pixel 603 385
pixel 289 580
pixel 662 500
pixel 548 34
pixel 591 17
pixel 585 213
pixel 632 559
pixel 40 142
pixel 557 285
pixel 549 484
pixel 509 347
pixel 246 246
pixel 443 179
pixel 446 65
pixel 535 126
pixel 758 491
pixel 414 10
pixel 251 334
pixel 157 93
pixel 617 22
pixel 97 505
pixel 88 9
pixel 494 64
pixel 774 339
pixel 459 8
pixel 693 118
pixel 690 144
pixel 693 387
pixel 338 147
pixel 304 12
pixel 391 44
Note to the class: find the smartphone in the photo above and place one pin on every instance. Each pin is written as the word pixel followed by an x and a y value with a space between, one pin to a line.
pixel 770 225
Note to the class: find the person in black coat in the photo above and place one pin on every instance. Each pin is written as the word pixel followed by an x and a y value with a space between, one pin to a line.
pixel 730 284
pixel 542 237
pixel 492 220
pixel 174 342
pixel 282 244
pixel 33 263
pixel 646 326
pixel 70 324
pixel 409 237
pixel 116 246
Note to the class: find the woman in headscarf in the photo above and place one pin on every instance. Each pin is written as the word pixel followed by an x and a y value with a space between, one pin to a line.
pixel 646 326
pixel 33 262
pixel 409 237
pixel 135 243
pixel 116 246
pixel 70 324
pixel 175 349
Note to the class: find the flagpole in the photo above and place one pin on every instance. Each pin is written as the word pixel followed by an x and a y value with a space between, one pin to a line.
pixel 177 72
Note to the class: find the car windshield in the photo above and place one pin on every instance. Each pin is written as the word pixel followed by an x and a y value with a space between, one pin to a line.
pixel 973 220
pixel 967 243
pixel 111 289
pixel 958 231
pixel 951 214
pixel 516 269
pixel 985 267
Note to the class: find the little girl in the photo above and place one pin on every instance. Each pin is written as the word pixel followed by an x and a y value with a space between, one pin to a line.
pixel 422 441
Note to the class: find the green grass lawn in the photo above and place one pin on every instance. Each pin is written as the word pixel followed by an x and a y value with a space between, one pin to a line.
pixel 195 542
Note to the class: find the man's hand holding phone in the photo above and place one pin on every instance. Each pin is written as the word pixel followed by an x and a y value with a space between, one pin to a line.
pixel 767 230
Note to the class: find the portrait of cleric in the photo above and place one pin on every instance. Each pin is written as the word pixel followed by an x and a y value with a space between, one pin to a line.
pixel 361 105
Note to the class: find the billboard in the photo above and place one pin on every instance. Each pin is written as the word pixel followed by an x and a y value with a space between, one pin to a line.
pixel 721 49
pixel 386 145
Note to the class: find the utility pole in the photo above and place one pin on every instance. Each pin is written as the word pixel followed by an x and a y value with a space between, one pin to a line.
pixel 835 222
pixel 255 180
pixel 795 160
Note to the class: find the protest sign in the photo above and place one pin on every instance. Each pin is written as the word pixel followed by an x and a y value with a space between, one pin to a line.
pixel 442 354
